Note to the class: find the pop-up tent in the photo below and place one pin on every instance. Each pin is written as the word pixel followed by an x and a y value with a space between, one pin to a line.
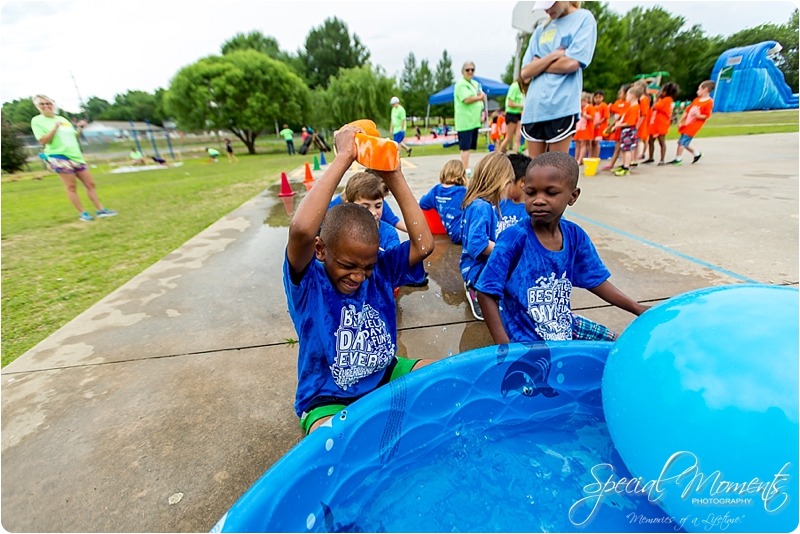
pixel 490 87
pixel 748 79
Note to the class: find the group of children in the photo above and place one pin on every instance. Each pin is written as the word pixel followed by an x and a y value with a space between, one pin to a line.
pixel 519 262
pixel 635 123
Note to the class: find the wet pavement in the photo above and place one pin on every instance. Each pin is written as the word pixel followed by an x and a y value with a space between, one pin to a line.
pixel 159 406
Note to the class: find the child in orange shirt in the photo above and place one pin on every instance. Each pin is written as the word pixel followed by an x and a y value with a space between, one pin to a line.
pixel 661 118
pixel 628 125
pixel 600 121
pixel 693 119
pixel 585 129
pixel 642 132
pixel 618 108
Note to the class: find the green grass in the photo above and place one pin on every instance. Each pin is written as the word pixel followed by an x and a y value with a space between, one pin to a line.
pixel 54 267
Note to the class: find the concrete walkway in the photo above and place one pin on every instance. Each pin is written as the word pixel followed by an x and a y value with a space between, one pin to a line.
pixel 159 406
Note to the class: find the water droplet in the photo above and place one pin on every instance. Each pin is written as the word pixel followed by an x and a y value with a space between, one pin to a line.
pixel 560 378
pixel 415 223
pixel 429 264
pixel 330 470
pixel 419 238
pixel 458 433
pixel 438 294
pixel 423 247
pixel 458 404
pixel 449 352
pixel 329 444
pixel 560 365
pixel 310 520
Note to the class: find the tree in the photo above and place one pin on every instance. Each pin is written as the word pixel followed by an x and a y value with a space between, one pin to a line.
pixel 243 92
pixel 133 105
pixel 442 79
pixel 13 150
pixel 18 114
pixel 95 107
pixel 508 76
pixel 330 48
pixel 359 93
pixel 255 40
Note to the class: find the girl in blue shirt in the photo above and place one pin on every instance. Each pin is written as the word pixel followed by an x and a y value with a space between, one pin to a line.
pixel 447 196
pixel 479 223
pixel 512 206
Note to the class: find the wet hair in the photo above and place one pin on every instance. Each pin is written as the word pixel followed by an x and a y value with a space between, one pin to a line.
pixel 600 92
pixel 492 174
pixel 708 84
pixel 351 222
pixel 365 185
pixel 670 89
pixel 565 163
pixel 519 162
pixel 453 173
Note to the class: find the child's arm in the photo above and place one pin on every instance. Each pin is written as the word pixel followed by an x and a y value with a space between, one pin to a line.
pixel 609 293
pixel 491 315
pixel 310 213
pixel 418 232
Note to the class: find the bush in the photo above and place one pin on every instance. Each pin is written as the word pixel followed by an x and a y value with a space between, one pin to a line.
pixel 13 150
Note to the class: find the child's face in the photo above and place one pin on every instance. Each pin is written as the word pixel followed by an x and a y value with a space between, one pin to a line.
pixel 621 95
pixel 547 194
pixel 584 103
pixel 515 191
pixel 631 97
pixel 375 207
pixel 702 92
pixel 348 263
pixel 597 99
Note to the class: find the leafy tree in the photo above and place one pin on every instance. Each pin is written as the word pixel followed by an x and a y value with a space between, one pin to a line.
pixel 133 105
pixel 18 113
pixel 255 40
pixel 508 76
pixel 95 107
pixel 442 79
pixel 13 150
pixel 330 48
pixel 244 92
pixel 358 93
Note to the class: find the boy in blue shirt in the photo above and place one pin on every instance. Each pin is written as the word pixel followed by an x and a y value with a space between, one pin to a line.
pixel 512 207
pixel 535 264
pixel 388 215
pixel 446 197
pixel 339 288
pixel 368 190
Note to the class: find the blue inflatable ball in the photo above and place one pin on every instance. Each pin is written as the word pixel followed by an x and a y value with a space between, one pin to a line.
pixel 701 398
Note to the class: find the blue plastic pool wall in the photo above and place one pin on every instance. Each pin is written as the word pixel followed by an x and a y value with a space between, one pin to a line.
pixel 756 84
pixel 336 459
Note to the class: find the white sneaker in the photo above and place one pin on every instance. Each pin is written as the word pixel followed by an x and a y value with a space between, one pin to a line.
pixel 472 298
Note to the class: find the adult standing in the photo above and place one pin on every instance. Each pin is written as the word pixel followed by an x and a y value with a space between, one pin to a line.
pixel 60 140
pixel 557 54
pixel 398 123
pixel 515 100
pixel 288 136
pixel 468 103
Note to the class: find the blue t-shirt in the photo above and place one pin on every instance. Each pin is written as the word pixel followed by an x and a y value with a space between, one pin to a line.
pixel 447 203
pixel 510 214
pixel 552 96
pixel 478 227
pixel 534 284
pixel 346 341
pixel 387 215
pixel 388 236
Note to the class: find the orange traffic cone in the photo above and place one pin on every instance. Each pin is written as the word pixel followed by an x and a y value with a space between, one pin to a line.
pixel 309 185
pixel 286 190
pixel 309 177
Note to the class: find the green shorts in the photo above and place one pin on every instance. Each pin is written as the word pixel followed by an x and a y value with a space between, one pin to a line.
pixel 333 405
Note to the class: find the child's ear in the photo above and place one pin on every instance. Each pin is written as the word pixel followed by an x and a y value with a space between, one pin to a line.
pixel 319 249
pixel 575 194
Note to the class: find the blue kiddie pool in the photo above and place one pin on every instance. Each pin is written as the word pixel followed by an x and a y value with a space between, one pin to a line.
pixel 514 438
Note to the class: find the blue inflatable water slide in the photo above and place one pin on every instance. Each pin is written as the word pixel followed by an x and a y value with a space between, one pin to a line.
pixel 747 79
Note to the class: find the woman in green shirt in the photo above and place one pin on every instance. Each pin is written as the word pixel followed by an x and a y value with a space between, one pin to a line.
pixel 515 99
pixel 60 140
pixel 468 99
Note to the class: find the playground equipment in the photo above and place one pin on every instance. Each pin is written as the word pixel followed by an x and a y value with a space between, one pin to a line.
pixel 747 79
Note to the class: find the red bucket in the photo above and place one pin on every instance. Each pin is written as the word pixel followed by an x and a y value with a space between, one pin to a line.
pixel 434 222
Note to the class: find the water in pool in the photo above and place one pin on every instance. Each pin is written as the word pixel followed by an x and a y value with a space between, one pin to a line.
pixel 520 478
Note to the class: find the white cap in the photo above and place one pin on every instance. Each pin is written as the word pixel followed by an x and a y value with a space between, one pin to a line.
pixel 394 100
pixel 542 5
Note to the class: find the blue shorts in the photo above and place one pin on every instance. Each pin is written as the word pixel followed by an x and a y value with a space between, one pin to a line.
pixel 684 140
pixel 399 136
pixel 468 139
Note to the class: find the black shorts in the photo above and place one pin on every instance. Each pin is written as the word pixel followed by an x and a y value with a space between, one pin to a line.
pixel 511 118
pixel 468 140
pixel 551 131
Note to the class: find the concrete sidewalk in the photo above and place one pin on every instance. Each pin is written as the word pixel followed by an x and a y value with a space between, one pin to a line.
pixel 178 387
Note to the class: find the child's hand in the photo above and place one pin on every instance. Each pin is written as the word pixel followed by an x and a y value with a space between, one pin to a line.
pixel 390 177
pixel 345 142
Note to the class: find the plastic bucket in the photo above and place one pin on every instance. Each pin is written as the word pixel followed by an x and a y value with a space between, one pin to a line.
pixel 590 166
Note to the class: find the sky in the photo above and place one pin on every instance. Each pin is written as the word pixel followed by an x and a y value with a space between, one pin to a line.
pixel 111 47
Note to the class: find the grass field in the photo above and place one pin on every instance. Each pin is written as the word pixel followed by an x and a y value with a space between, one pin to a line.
pixel 55 267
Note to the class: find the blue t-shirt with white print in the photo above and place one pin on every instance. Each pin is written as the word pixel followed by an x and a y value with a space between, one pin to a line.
pixel 510 214
pixel 478 227
pixel 346 341
pixel 388 236
pixel 552 96
pixel 387 215
pixel 447 203
pixel 534 284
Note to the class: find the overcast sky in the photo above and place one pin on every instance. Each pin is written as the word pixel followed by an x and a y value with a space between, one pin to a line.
pixel 111 47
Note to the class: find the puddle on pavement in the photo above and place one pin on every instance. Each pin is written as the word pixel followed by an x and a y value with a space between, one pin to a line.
pixel 280 213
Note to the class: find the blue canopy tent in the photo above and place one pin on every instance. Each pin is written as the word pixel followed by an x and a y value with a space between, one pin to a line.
pixel 490 87
pixel 748 79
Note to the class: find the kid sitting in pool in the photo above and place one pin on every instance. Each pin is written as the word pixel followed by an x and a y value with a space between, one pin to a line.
pixel 535 264
pixel 339 288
